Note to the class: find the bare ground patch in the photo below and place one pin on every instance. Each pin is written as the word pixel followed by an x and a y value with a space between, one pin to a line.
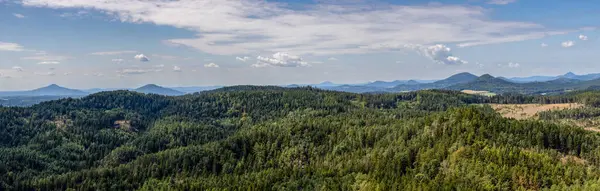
pixel 525 111
pixel 124 124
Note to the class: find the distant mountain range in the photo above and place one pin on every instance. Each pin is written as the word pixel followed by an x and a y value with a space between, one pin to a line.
pixel 468 81
pixel 460 81
pixel 56 90
pixel 569 75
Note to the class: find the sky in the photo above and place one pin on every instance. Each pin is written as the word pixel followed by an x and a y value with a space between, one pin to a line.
pixel 129 43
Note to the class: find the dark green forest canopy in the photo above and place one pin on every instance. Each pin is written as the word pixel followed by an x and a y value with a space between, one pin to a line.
pixel 271 138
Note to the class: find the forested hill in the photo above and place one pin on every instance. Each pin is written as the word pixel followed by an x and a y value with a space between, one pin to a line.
pixel 266 138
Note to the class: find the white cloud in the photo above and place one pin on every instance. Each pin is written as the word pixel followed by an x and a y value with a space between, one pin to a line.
pixel 159 66
pixel 583 37
pixel 7 46
pixel 67 73
pixel 211 65
pixel 567 44
pixel 243 59
pixel 17 68
pixel 45 73
pixel 141 58
pixel 20 16
pixel 280 59
pixel 510 65
pixel 44 56
pixel 98 74
pixel 113 53
pixel 543 45
pixel 134 71
pixel 48 62
pixel 166 57
pixel 332 59
pixel 501 2
pixel 77 14
pixel 118 60
pixel 320 29
pixel 176 69
pixel 439 53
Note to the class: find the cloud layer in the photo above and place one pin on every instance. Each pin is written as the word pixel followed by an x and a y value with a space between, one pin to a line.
pixel 501 2
pixel 280 59
pixel 113 52
pixel 255 26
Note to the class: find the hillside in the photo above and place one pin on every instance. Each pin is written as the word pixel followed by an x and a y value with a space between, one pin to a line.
pixel 498 85
pixel 51 90
pixel 459 78
pixel 155 89
pixel 257 138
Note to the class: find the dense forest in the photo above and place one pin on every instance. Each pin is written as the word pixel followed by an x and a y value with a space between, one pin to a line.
pixel 273 138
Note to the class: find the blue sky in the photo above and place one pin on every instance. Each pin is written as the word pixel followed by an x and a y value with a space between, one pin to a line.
pixel 129 43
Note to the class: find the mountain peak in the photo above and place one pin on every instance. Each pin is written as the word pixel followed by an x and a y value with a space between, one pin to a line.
pixel 53 86
pixel 570 75
pixel 156 89
pixel 486 76
pixel 459 78
pixel 151 86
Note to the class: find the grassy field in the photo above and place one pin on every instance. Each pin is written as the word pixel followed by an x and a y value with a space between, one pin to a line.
pixel 525 111
pixel 482 93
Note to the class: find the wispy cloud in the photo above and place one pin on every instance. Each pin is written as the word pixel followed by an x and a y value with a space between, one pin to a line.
pixel 439 53
pixel 544 45
pixel 583 37
pixel 322 29
pixel 280 59
pixel 176 69
pixel 45 73
pixel 20 16
pixel 501 2
pixel 107 53
pixel 7 46
pixel 135 71
pixel 48 62
pixel 211 65
pixel 567 44
pixel 510 65
pixel 44 56
pixel 166 57
pixel 77 14
pixel 17 68
pixel 118 60
pixel 243 59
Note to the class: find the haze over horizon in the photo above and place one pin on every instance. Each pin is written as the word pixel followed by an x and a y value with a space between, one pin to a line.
pixel 129 43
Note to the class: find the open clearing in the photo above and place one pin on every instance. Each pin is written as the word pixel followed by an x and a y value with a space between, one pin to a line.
pixel 481 93
pixel 524 111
